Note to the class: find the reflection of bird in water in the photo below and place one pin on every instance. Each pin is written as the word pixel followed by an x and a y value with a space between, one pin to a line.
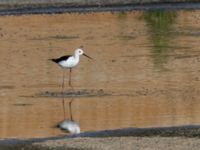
pixel 70 125
pixel 68 62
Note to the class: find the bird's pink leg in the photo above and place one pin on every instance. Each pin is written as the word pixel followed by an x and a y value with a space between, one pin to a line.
pixel 70 84
pixel 63 82
pixel 63 99
pixel 70 103
pixel 72 99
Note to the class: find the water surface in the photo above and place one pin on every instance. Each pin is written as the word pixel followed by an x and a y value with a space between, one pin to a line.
pixel 145 71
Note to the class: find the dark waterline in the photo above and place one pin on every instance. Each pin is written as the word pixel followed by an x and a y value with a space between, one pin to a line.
pixel 189 131
pixel 65 9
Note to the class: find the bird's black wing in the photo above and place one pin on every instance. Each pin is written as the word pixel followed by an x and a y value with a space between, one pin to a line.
pixel 57 60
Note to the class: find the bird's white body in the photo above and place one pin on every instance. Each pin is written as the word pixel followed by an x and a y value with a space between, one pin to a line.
pixel 71 62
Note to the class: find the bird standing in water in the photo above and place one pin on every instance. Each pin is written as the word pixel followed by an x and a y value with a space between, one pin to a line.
pixel 69 62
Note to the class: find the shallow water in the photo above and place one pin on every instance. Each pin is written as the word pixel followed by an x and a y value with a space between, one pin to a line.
pixel 145 71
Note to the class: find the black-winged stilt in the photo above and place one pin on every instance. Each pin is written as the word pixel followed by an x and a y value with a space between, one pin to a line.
pixel 68 62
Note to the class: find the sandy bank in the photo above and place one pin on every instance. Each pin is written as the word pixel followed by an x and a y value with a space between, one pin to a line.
pixel 14 7
pixel 179 138
pixel 117 143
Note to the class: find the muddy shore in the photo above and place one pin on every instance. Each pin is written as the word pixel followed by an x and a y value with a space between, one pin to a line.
pixel 12 8
pixel 182 137
pixel 70 3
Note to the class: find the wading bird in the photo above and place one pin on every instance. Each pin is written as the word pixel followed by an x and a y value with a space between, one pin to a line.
pixel 69 62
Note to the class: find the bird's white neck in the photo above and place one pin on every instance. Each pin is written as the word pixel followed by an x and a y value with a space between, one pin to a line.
pixel 76 56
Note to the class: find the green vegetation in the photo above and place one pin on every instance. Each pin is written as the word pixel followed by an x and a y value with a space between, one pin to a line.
pixel 160 29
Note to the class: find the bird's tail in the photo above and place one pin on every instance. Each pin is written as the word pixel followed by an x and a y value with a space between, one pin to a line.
pixel 54 60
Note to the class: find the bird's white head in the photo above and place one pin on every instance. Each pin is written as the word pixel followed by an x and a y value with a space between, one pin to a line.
pixel 79 51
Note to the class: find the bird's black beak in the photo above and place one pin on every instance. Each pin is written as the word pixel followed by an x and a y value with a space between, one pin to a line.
pixel 87 56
